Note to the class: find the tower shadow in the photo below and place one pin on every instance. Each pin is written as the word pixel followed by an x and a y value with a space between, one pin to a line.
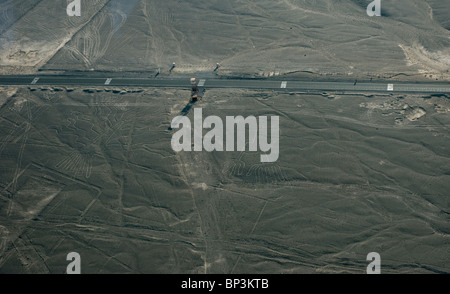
pixel 185 111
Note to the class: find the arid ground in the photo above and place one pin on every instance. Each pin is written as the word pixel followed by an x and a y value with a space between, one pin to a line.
pixel 91 170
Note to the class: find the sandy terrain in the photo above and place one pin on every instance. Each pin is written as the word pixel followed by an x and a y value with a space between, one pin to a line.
pixel 323 38
pixel 91 170
pixel 33 31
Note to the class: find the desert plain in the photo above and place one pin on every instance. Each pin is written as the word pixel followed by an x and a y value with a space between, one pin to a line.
pixel 91 169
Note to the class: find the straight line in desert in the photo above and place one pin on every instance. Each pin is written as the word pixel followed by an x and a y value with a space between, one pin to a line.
pixel 70 37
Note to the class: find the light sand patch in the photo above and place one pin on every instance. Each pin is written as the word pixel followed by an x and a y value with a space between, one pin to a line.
pixel 206 67
pixel 440 104
pixel 416 114
pixel 18 104
pixel 9 91
pixel 401 110
pixel 388 105
pixel 202 186
pixel 436 64
pixel 442 109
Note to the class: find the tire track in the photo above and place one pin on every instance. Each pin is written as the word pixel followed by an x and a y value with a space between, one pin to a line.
pixel 45 62
pixel 19 160
pixel 5 29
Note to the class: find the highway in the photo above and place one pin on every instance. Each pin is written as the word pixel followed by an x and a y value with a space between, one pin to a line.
pixel 269 84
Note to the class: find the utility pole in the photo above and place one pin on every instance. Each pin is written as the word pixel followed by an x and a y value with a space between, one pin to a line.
pixel 217 67
pixel 173 66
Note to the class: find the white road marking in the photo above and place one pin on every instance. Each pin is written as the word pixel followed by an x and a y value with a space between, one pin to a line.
pixel 108 81
pixel 283 85
pixel 35 81
pixel 201 83
pixel 390 87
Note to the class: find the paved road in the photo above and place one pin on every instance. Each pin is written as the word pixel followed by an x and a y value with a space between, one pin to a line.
pixel 228 83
